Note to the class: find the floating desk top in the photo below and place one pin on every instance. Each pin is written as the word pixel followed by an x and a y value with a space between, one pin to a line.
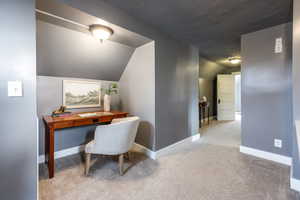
pixel 69 121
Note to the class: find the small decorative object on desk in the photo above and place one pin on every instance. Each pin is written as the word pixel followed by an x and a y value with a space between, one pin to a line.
pixel 203 101
pixel 60 112
pixel 112 89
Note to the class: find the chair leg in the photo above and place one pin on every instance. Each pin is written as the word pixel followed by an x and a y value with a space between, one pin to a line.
pixel 129 156
pixel 87 163
pixel 121 163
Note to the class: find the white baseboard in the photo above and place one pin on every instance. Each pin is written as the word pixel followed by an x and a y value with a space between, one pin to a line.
pixel 136 147
pixel 295 184
pixel 142 149
pixel 266 155
pixel 193 138
pixel 156 154
pixel 64 153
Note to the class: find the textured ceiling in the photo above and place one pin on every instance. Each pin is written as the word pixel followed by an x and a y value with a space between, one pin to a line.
pixel 215 26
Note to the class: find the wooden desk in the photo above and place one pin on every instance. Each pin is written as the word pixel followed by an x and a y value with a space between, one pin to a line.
pixel 72 120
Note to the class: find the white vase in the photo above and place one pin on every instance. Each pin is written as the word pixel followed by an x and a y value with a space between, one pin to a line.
pixel 107 99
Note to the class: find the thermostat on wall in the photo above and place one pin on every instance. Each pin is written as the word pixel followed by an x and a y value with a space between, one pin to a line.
pixel 14 88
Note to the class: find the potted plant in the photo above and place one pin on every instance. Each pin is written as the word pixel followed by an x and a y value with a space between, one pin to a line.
pixel 112 89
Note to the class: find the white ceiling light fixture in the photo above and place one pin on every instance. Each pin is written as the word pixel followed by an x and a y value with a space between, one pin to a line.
pixel 101 32
pixel 235 60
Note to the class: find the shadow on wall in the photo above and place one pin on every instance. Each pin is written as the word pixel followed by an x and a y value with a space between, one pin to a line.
pixel 208 88
pixel 144 134
pixel 215 98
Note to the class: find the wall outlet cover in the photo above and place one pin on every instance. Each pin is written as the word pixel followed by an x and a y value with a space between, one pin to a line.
pixel 277 143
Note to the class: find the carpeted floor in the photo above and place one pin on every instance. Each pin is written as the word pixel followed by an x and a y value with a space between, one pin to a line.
pixel 204 170
pixel 224 133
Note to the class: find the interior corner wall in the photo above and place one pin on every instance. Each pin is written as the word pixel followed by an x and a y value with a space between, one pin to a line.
pixel 137 91
pixel 176 93
pixel 50 97
pixel 176 74
pixel 296 85
pixel 208 71
pixel 267 90
pixel 18 122
pixel 208 89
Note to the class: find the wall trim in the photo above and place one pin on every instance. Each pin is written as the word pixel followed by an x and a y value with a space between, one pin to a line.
pixel 266 155
pixel 136 147
pixel 144 150
pixel 295 184
pixel 64 153
pixel 192 138
pixel 156 154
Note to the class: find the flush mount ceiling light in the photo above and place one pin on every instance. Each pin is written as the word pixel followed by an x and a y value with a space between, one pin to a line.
pixel 101 32
pixel 235 60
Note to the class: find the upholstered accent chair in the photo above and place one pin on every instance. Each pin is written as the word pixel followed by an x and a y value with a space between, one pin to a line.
pixel 116 138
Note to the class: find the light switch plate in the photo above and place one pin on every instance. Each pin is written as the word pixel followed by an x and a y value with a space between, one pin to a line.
pixel 15 88
pixel 278 45
pixel 277 143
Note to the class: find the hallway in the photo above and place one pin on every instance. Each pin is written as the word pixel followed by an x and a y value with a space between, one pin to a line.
pixel 224 133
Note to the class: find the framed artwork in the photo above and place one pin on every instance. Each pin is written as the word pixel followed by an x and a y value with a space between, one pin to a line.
pixel 81 94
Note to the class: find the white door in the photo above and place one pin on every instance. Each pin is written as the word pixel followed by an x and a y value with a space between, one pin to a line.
pixel 226 97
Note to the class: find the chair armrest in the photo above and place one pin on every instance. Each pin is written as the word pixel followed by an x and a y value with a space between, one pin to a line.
pixel 117 120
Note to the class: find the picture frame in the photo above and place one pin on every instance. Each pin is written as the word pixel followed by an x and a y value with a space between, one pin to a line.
pixel 81 93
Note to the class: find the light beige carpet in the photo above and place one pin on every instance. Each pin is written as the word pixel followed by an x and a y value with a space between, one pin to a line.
pixel 224 133
pixel 192 171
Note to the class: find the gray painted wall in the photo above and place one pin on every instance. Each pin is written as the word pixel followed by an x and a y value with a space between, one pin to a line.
pixel 267 90
pixel 137 91
pixel 176 93
pixel 68 53
pixel 209 69
pixel 49 98
pixel 18 146
pixel 296 85
pixel 208 89
pixel 176 79
pixel 238 95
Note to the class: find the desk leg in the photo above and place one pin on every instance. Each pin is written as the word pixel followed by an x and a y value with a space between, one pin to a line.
pixel 200 116
pixel 46 144
pixel 49 150
pixel 203 115
pixel 208 114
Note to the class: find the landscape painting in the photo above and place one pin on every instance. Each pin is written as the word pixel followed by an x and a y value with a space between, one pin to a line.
pixel 81 94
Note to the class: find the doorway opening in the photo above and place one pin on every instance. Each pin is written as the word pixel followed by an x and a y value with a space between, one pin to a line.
pixel 220 108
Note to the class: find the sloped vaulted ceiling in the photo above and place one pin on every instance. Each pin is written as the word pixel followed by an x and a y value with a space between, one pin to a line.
pixel 67 53
pixel 68 50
